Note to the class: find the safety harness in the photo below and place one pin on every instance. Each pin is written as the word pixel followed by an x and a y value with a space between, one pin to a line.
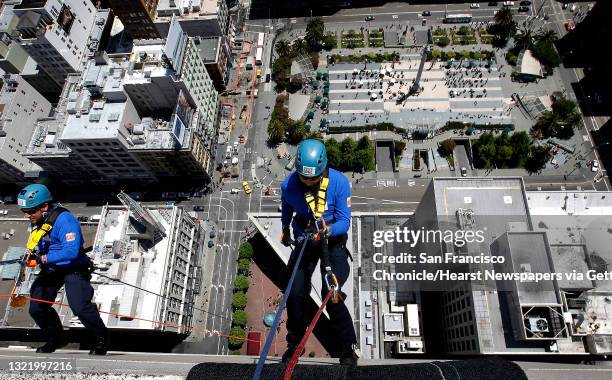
pixel 39 232
pixel 317 204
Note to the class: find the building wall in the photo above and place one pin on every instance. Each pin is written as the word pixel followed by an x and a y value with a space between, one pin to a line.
pixel 200 85
pixel 20 106
pixel 137 17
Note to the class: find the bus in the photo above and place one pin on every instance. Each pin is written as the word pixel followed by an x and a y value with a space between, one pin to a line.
pixel 258 56
pixel 260 40
pixel 459 18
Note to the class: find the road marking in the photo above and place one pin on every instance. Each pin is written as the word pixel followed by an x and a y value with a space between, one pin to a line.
pixel 385 200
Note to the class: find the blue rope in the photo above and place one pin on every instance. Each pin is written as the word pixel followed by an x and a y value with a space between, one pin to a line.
pixel 279 312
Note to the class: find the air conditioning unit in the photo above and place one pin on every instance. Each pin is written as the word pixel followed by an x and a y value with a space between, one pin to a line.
pixel 538 324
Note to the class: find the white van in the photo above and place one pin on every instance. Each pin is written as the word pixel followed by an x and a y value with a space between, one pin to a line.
pixel 95 218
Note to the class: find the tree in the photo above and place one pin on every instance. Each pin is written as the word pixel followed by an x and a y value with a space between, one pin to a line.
pixel 504 27
pixel 276 131
pixel 484 151
pixel 443 41
pixel 297 132
pixel 236 338
pixel 447 147
pixel 330 42
pixel 334 156
pixel 239 318
pixel 464 31
pixel 245 251
pixel 521 145
pixel 503 155
pixel 241 283
pixel 347 151
pixel 244 266
pixel 545 53
pixel 315 32
pixel 295 85
pixel 299 47
pixel 540 155
pixel 546 125
pixel 548 36
pixel 282 48
pixel 436 54
pixel 239 301
pixel 524 39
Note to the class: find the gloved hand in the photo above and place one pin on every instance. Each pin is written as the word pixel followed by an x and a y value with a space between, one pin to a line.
pixel 32 260
pixel 286 237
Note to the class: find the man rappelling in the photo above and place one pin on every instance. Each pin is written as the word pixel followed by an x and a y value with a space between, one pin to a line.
pixel 320 197
pixel 56 244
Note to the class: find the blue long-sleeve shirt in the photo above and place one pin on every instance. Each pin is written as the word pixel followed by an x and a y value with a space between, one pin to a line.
pixel 62 245
pixel 337 207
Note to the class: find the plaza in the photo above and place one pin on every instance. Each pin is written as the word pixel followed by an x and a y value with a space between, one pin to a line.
pixel 465 91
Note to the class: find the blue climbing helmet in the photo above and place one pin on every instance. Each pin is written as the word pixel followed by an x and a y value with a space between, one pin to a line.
pixel 311 158
pixel 33 196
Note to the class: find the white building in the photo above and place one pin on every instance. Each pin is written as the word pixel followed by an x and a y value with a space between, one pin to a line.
pixel 56 34
pixel 20 106
pixel 128 119
pixel 198 18
pixel 155 248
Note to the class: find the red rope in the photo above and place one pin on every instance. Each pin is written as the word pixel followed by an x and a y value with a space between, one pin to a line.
pixel 195 329
pixel 300 347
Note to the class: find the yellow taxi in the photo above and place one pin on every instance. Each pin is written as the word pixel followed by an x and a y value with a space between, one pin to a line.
pixel 258 72
pixel 246 187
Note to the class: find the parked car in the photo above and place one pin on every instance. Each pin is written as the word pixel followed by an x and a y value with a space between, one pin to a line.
pixel 508 3
pixel 463 171
pixel 492 3
pixel 426 13
pixel 474 5
pixel 595 166
pixel 369 18
pixel 198 208
pixel 246 187
pixel 523 9
pixel 526 2
pixel 234 191
pixel 565 5
pixel 267 78
pixel 82 218
pixel 569 26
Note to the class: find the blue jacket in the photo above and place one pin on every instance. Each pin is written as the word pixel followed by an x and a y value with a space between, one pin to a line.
pixel 337 212
pixel 62 246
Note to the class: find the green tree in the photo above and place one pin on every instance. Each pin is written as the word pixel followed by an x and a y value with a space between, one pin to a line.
pixel 282 48
pixel 330 42
pixel 347 151
pixel 241 283
pixel 464 31
pixel 545 126
pixel 244 266
pixel 334 156
pixel 436 54
pixel 245 251
pixel 548 36
pixel 236 338
pixel 521 145
pixel 524 39
pixel 299 47
pixel 443 41
pixel 447 147
pixel 297 132
pixel 239 301
pixel 545 53
pixel 239 318
pixel 484 151
pixel 276 131
pixel 315 31
pixel 540 155
pixel 503 156
pixel 504 27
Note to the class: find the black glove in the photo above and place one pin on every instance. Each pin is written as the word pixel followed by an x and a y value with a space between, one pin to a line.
pixel 286 237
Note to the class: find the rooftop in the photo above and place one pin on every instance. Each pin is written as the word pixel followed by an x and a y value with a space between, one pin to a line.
pixel 529 65
pixel 208 48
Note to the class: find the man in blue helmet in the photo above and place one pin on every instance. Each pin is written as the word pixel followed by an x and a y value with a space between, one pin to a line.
pixel 56 244
pixel 320 197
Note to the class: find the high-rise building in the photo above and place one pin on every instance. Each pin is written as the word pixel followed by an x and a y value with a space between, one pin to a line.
pixel 57 34
pixel 20 106
pixel 215 54
pixel 135 119
pixel 204 18
pixel 137 17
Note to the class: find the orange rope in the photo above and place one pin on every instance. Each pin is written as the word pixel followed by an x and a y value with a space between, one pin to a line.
pixel 195 329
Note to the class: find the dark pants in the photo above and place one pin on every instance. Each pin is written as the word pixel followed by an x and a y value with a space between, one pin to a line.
pixel 297 320
pixel 79 293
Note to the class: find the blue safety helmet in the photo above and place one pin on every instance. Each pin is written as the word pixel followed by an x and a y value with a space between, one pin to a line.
pixel 311 158
pixel 33 196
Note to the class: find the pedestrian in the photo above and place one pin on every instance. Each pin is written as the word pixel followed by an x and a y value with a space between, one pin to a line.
pixel 321 199
pixel 56 245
